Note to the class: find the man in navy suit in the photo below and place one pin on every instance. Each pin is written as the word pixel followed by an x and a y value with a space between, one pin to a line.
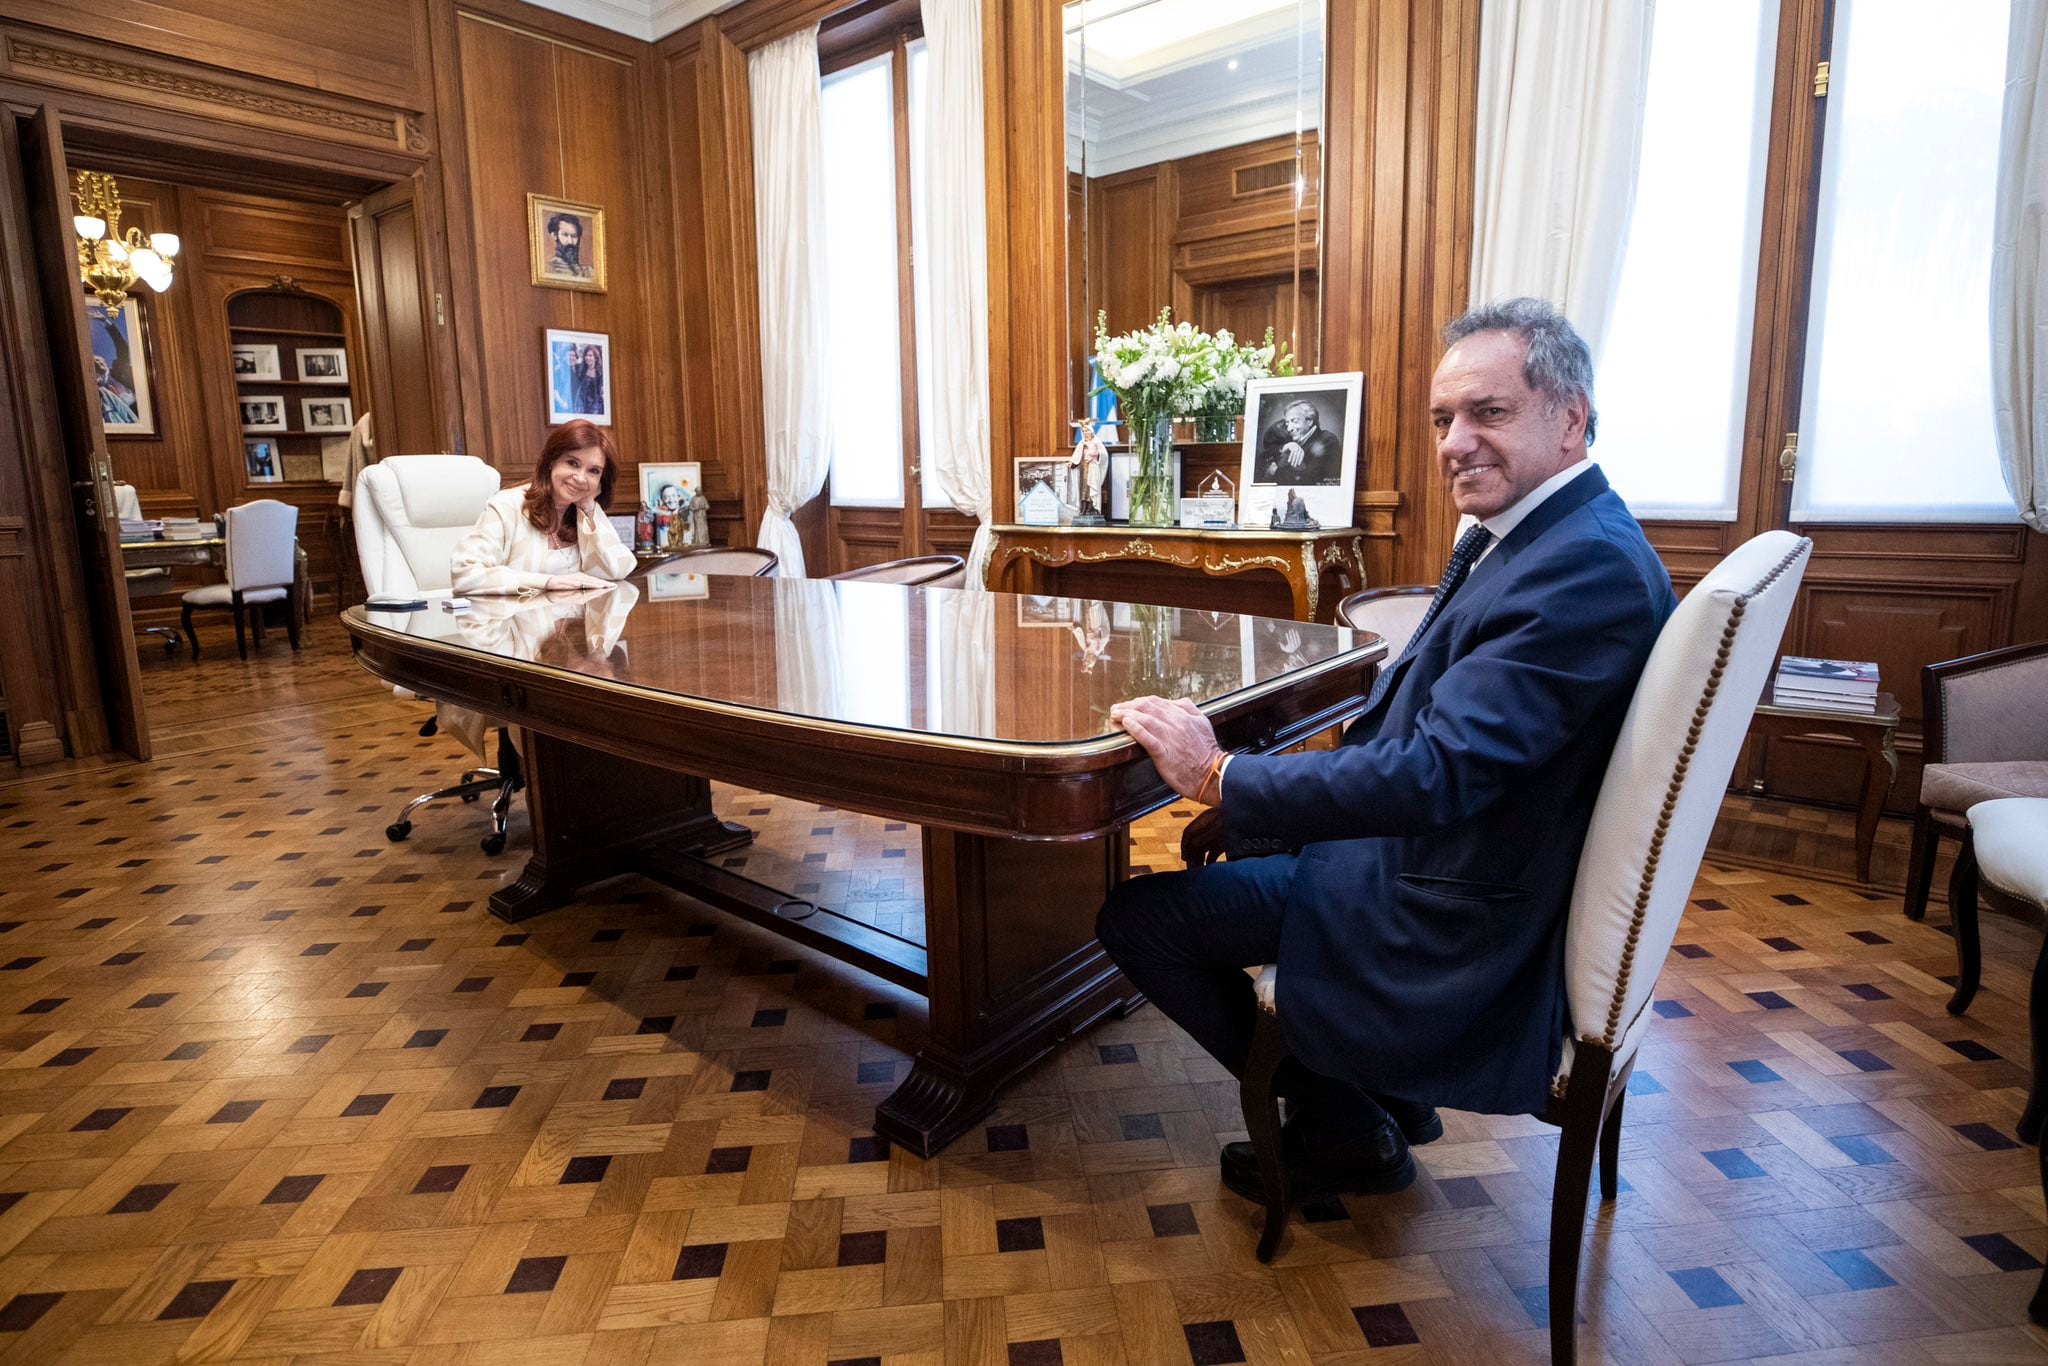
pixel 1414 881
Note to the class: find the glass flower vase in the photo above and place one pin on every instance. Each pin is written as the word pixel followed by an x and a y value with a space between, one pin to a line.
pixel 1215 427
pixel 1153 491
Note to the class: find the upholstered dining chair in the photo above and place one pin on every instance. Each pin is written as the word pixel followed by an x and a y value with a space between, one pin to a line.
pixel 1984 735
pixel 411 511
pixel 1391 613
pixel 262 541
pixel 920 571
pixel 743 561
pixel 1657 804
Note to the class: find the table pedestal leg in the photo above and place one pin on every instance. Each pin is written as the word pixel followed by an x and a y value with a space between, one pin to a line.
pixel 1014 970
pixel 593 813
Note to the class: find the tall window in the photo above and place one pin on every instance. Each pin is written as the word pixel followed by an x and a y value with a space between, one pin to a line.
pixel 873 171
pixel 1896 423
pixel 1674 374
pixel 1894 403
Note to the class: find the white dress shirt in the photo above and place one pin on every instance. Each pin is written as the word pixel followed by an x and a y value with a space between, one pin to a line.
pixel 1510 517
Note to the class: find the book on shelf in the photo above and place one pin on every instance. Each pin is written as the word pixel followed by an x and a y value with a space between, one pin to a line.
pixel 1852 678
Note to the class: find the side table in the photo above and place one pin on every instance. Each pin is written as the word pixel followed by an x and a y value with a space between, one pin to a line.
pixel 1876 731
pixel 1299 557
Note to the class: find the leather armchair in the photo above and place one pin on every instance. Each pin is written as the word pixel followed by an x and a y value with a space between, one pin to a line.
pixel 1985 737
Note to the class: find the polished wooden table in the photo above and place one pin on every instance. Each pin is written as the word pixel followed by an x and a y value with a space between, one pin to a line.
pixel 1302 558
pixel 1876 732
pixel 983 717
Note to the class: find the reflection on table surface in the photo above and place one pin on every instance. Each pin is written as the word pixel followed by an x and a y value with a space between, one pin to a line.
pixel 994 667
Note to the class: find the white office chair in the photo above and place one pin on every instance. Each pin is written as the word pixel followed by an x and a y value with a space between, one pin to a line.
pixel 262 541
pixel 411 511
pixel 1657 805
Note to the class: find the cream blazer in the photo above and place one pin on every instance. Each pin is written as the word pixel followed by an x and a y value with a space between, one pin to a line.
pixel 504 554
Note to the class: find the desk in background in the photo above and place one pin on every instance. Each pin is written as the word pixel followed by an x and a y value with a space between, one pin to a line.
pixel 982 717
pixel 212 551
pixel 1303 559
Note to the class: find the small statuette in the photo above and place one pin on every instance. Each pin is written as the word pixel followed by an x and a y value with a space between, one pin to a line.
pixel 1297 518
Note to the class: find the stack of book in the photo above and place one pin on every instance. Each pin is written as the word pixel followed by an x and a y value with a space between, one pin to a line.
pixel 1830 684
pixel 186 529
pixel 138 529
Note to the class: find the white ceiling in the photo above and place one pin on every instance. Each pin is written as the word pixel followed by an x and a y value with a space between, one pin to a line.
pixel 648 20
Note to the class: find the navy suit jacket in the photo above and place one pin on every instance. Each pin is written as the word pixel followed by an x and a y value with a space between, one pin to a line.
pixel 1422 951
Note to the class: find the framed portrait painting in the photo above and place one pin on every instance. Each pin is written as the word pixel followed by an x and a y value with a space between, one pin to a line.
pixel 120 368
pixel 579 376
pixel 1300 443
pixel 566 241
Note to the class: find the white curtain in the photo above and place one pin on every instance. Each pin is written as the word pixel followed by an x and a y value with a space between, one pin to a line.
pixel 1561 90
pixel 2019 268
pixel 956 252
pixel 790 240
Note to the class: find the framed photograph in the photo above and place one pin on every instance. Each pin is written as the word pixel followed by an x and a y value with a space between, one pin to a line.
pixel 120 368
pixel 1046 490
pixel 567 243
pixel 254 362
pixel 327 414
pixel 664 584
pixel 321 365
pixel 300 467
pixel 260 460
pixel 1300 438
pixel 579 376
pixel 334 459
pixel 263 412
pixel 670 486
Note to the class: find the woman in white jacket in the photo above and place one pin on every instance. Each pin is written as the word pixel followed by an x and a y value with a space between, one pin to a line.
pixel 550 534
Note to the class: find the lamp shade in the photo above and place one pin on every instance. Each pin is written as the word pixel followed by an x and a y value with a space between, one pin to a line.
pixel 90 228
pixel 153 269
pixel 166 244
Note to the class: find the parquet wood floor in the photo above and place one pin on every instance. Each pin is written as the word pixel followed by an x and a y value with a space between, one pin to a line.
pixel 273 1090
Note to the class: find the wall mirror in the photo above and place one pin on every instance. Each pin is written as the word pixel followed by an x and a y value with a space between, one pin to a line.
pixel 1193 170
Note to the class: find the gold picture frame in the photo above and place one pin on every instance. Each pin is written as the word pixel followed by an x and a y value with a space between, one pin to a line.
pixel 545 220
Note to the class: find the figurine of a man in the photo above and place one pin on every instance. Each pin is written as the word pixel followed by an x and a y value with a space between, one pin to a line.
pixel 1093 458
pixel 700 519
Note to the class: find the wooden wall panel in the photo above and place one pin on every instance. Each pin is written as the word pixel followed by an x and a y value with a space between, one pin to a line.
pixel 1133 214
pixel 370 49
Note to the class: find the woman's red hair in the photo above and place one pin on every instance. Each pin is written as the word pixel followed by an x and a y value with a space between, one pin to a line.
pixel 540 497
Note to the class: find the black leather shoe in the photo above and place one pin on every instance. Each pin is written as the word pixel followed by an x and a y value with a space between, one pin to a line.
pixel 1374 1162
pixel 1419 1123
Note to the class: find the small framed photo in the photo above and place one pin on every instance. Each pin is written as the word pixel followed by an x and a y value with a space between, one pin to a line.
pixel 1300 439
pixel 672 491
pixel 256 362
pixel 120 368
pixel 327 414
pixel 262 412
pixel 321 365
pixel 566 240
pixel 579 376
pixel 1046 493
pixel 260 461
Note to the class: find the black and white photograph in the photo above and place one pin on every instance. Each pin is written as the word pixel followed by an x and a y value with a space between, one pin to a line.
pixel 256 362
pixel 260 460
pixel 1301 436
pixel 323 365
pixel 566 241
pixel 263 413
pixel 327 414
pixel 579 376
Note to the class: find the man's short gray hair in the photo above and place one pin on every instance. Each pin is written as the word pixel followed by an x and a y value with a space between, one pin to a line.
pixel 1558 365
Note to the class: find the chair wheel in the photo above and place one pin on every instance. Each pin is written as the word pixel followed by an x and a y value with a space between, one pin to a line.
pixel 469 798
pixel 492 844
pixel 397 830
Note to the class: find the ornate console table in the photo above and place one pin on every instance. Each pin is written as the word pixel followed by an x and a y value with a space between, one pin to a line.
pixel 1302 558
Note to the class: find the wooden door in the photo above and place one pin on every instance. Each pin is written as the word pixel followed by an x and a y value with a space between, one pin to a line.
pixel 47 182
pixel 399 311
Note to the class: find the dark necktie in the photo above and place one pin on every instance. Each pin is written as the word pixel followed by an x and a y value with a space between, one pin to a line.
pixel 1464 555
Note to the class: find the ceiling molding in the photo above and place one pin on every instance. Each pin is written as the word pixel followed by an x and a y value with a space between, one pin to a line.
pixel 648 20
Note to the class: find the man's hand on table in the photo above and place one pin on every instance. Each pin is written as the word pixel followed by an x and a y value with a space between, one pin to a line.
pixel 1177 736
